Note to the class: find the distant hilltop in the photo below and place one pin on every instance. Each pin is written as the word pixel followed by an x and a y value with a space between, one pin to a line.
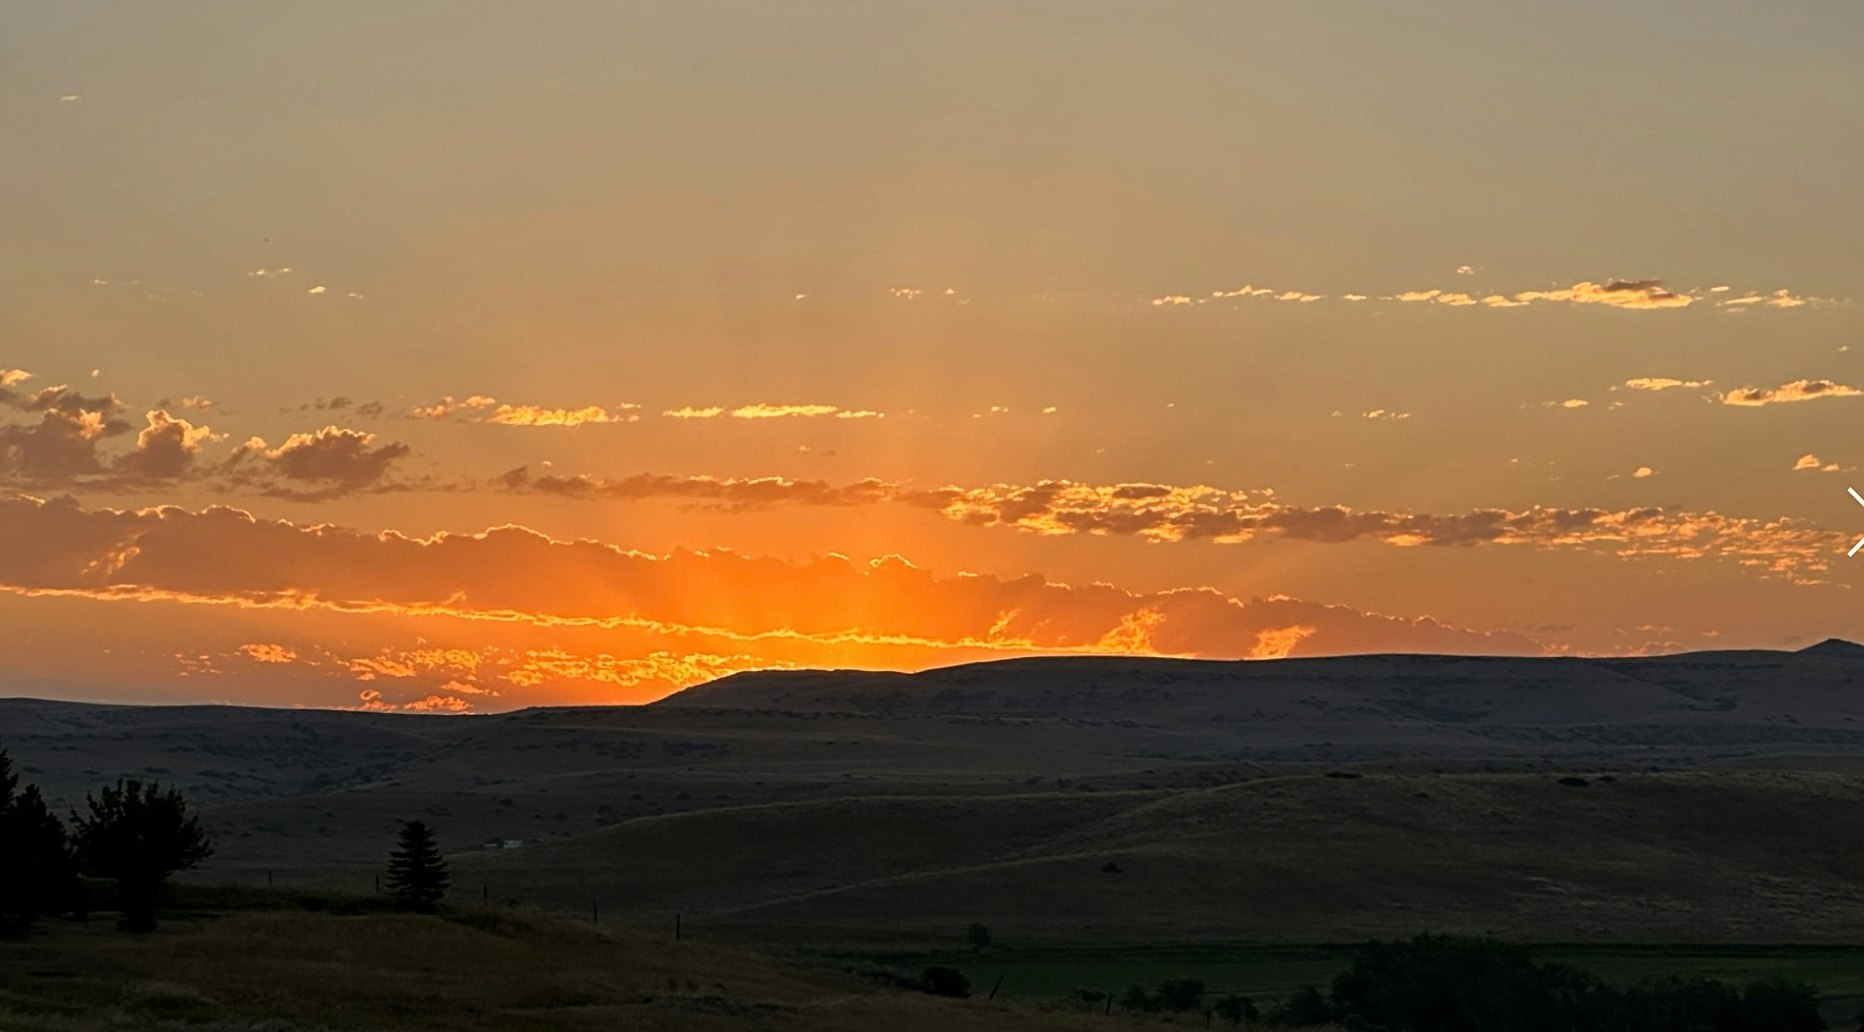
pixel 1452 689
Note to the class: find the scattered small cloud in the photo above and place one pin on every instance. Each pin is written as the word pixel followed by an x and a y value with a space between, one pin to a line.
pixel 1644 473
pixel 1811 463
pixel 1663 383
pixel 1465 270
pixel 316 289
pixel 71 98
pixel 534 415
pixel 1798 390
pixel 767 411
pixel 1781 298
pixel 450 405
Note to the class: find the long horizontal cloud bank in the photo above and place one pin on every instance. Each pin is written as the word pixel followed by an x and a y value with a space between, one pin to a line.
pixel 1624 294
pixel 1167 513
pixel 515 575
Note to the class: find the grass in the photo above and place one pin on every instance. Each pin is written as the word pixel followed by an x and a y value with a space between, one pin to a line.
pixel 295 971
pixel 1732 857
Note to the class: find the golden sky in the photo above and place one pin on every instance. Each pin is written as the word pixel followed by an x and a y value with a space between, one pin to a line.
pixel 462 357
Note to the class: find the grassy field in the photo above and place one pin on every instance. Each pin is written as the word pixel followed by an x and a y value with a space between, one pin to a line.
pixel 282 971
pixel 269 967
pixel 1055 970
pixel 1697 856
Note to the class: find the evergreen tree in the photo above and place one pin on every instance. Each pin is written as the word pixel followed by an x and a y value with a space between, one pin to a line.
pixel 417 876
pixel 37 876
pixel 138 835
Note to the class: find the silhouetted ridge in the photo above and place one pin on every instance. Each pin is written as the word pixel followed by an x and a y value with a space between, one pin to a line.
pixel 1836 647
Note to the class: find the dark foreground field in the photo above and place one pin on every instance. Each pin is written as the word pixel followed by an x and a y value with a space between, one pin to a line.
pixel 1111 821
pixel 293 971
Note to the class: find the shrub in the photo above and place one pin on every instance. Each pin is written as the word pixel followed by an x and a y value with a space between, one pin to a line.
pixel 944 981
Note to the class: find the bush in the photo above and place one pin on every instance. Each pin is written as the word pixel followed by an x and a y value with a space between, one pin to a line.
pixel 1180 995
pixel 1306 1007
pixel 944 981
pixel 1236 1009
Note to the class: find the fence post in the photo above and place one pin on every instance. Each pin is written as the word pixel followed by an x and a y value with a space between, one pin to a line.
pixel 994 988
pixel 595 911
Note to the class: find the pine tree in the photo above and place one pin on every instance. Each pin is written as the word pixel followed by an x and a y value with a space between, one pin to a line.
pixel 417 876
pixel 37 876
pixel 138 835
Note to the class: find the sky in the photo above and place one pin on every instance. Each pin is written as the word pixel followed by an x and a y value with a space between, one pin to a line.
pixel 461 357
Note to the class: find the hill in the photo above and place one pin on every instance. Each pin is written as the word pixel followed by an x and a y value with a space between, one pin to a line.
pixel 845 800
pixel 1687 857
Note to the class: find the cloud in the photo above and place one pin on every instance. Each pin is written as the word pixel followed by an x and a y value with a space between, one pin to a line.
pixel 1798 390
pixel 449 406
pixel 766 411
pixel 260 652
pixel 1644 473
pixel 533 415
pixel 165 449
pixel 1628 294
pixel 1384 414
pixel 316 289
pixel 1781 298
pixel 1465 270
pixel 1633 294
pixel 1811 462
pixel 1171 514
pixel 740 493
pixel 64 442
pixel 481 408
pixel 1663 383
pixel 818 608
pixel 333 461
pixel 13 377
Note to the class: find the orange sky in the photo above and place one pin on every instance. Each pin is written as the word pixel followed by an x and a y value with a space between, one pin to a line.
pixel 464 358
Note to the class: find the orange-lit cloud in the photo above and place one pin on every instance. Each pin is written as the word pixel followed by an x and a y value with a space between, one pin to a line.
pixel 1811 462
pixel 1172 513
pixel 534 415
pixel 481 408
pixel 510 575
pixel 1633 294
pixel 327 463
pixel 768 411
pixel 166 448
pixel 1798 390
pixel 1629 294
pixel 1663 383
pixel 1781 298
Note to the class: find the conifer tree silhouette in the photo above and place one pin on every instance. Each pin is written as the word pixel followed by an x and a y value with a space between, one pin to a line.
pixel 417 876
pixel 37 875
